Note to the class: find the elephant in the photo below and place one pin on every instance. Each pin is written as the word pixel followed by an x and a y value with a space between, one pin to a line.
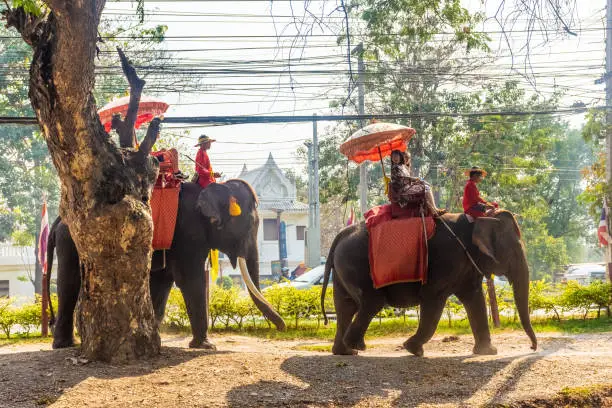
pixel 203 223
pixel 494 244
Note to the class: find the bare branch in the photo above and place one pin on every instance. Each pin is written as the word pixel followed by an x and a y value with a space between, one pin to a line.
pixel 150 138
pixel 125 128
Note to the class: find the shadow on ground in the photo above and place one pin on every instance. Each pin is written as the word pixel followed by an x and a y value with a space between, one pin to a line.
pixel 38 378
pixel 398 381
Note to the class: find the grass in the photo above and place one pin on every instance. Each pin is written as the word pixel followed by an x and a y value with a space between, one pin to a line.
pixel 388 327
pixel 34 338
pixel 310 329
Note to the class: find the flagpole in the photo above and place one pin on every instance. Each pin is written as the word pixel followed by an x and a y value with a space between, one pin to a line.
pixel 608 247
pixel 44 230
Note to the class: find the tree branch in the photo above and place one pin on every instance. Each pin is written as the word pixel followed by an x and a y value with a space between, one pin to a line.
pixel 150 138
pixel 125 128
pixel 28 25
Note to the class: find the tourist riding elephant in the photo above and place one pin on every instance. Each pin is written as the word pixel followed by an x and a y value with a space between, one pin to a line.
pixel 203 223
pixel 496 247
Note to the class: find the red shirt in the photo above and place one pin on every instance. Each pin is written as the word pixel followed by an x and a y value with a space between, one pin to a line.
pixel 471 196
pixel 204 169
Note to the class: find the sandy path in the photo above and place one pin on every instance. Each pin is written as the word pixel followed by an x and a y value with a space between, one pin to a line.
pixel 249 372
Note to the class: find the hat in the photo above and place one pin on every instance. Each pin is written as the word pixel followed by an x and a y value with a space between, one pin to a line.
pixel 204 139
pixel 476 169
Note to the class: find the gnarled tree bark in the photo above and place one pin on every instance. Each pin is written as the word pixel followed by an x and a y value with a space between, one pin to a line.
pixel 105 189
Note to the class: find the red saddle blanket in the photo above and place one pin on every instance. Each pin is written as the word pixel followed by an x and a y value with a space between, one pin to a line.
pixel 164 207
pixel 164 200
pixel 397 247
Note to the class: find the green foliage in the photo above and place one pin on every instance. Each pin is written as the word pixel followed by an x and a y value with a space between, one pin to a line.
pixel 28 317
pixel 176 310
pixel 8 317
pixel 225 282
pixel 583 298
pixel 542 296
pixel 34 7
pixel 453 309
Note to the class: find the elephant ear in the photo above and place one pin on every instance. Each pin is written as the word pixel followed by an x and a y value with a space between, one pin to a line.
pixel 485 234
pixel 214 202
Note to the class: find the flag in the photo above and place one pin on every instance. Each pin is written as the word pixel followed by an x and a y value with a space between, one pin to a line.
pixel 213 258
pixel 602 230
pixel 351 218
pixel 42 238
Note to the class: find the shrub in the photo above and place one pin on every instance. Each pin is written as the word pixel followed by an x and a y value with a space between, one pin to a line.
pixel 176 310
pixel 542 297
pixel 225 282
pixel 300 304
pixel 223 305
pixel 453 308
pixel 28 317
pixel 8 317
pixel 576 296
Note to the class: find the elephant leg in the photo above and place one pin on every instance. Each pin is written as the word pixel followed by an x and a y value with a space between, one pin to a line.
pixel 160 283
pixel 189 276
pixel 68 287
pixel 431 311
pixel 371 304
pixel 346 308
pixel 474 302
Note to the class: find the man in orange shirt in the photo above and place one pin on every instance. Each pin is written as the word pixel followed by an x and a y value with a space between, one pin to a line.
pixel 203 167
pixel 473 204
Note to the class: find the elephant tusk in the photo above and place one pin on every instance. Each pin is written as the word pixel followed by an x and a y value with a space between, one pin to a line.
pixel 249 282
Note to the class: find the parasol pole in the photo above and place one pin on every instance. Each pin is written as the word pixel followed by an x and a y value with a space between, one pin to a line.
pixel 381 162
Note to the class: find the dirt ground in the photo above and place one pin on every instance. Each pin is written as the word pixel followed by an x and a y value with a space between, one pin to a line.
pixel 249 372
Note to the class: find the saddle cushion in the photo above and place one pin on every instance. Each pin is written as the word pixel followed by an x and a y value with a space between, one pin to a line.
pixel 164 208
pixel 397 247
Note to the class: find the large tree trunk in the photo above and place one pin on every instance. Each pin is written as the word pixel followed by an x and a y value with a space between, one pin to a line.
pixel 104 189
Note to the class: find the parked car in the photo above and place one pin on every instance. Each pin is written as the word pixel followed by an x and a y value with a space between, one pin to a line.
pixel 585 273
pixel 309 279
pixel 499 281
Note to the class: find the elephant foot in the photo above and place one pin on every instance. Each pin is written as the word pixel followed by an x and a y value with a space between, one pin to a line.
pixel 355 344
pixel 59 343
pixel 414 348
pixel 202 344
pixel 485 350
pixel 343 350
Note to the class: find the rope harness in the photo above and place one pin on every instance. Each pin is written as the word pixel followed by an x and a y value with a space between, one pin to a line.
pixel 462 246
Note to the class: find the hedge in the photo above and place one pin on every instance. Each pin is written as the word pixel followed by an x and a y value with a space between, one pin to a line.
pixel 231 308
pixel 22 320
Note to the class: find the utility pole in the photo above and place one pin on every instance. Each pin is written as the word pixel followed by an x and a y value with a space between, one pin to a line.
pixel 608 79
pixel 363 169
pixel 313 236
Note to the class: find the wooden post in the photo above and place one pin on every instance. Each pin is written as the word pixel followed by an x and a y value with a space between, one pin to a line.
pixel 493 302
pixel 45 305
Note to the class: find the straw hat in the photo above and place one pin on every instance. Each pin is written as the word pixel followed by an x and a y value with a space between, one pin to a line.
pixel 204 139
pixel 476 169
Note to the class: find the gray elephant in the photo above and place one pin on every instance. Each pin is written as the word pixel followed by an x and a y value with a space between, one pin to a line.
pixel 495 245
pixel 203 223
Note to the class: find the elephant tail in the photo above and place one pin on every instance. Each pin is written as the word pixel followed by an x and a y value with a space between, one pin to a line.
pixel 328 267
pixel 329 264
pixel 50 249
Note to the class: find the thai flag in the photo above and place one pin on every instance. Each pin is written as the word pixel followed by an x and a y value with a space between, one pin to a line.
pixel 351 218
pixel 42 239
pixel 602 230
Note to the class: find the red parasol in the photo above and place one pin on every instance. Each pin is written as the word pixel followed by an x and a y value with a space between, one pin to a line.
pixel 376 141
pixel 147 110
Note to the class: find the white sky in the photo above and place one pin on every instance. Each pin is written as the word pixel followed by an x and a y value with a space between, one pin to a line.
pixel 566 62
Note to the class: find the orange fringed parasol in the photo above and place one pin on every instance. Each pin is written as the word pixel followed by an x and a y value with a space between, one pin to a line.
pixel 375 141
pixel 147 110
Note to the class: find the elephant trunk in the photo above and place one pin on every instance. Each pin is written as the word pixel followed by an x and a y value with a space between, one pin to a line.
pixel 520 287
pixel 253 286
